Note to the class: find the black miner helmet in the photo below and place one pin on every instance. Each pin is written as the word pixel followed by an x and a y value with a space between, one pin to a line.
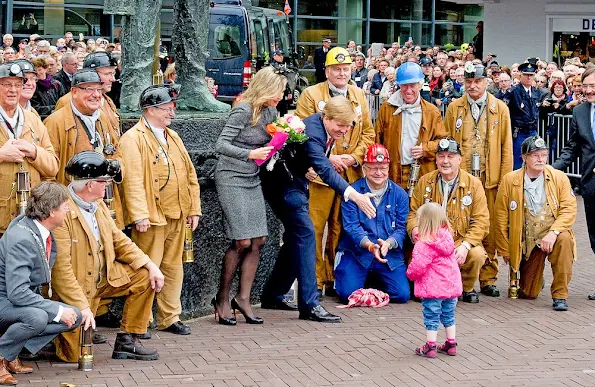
pixel 532 144
pixel 475 70
pixel 99 59
pixel 10 70
pixel 92 165
pixel 158 95
pixel 25 65
pixel 448 144
pixel 85 76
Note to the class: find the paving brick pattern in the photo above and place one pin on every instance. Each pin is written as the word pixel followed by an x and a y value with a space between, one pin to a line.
pixel 502 342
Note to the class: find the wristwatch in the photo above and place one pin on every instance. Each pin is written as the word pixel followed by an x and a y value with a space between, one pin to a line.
pixel 556 232
pixel 466 244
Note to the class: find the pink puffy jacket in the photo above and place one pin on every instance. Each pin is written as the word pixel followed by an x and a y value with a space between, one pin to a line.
pixel 434 268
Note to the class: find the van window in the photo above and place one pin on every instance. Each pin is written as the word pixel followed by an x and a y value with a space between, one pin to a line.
pixel 282 39
pixel 226 40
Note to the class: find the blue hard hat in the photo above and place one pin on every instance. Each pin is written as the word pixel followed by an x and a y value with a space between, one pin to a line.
pixel 409 72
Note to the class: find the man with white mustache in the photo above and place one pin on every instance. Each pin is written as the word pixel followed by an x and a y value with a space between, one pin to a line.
pixel 535 211
pixel 582 144
pixel 481 124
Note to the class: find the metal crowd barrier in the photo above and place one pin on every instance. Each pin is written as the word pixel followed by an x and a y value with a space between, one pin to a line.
pixel 374 105
pixel 555 129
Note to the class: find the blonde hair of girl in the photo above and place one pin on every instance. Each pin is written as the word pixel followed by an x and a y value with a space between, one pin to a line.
pixel 264 86
pixel 430 218
pixel 340 109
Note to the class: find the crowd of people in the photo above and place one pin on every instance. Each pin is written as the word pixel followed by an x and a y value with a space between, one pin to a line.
pixel 416 204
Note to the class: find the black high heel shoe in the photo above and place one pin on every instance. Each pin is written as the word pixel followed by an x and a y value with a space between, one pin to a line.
pixel 249 319
pixel 222 320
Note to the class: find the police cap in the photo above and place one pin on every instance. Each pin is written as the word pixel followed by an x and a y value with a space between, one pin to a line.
pixel 99 59
pixel 448 144
pixel 92 165
pixel 85 76
pixel 26 66
pixel 475 70
pixel 532 144
pixel 11 69
pixel 425 61
pixel 158 95
pixel 528 68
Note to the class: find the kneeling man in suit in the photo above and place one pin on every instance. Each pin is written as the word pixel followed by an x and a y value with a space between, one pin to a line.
pixel 27 319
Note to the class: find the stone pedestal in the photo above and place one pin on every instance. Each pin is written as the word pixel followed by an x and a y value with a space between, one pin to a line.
pixel 199 132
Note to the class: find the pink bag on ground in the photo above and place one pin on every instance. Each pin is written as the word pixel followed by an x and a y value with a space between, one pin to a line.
pixel 367 297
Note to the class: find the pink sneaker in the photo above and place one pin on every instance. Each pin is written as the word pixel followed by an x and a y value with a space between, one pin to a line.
pixel 448 348
pixel 426 350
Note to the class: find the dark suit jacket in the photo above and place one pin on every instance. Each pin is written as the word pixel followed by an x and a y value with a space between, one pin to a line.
pixel 316 149
pixel 376 83
pixel 62 77
pixel 524 110
pixel 23 267
pixel 580 144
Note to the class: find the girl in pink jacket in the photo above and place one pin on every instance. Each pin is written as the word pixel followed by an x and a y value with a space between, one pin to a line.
pixel 437 278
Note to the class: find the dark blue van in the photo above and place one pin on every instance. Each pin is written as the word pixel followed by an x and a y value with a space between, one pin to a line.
pixel 230 60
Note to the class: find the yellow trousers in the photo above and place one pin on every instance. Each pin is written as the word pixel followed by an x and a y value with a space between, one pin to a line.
pixel 489 271
pixel 135 316
pixel 325 207
pixel 165 246
pixel 476 258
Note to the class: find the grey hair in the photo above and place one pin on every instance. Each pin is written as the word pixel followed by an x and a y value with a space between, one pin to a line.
pixel 43 43
pixel 79 185
pixel 67 56
pixel 389 70
pixel 46 197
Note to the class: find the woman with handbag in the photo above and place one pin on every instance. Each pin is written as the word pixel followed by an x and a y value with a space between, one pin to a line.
pixel 242 141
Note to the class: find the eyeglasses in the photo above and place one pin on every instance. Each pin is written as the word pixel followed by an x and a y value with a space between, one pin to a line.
pixel 383 168
pixel 11 85
pixel 588 87
pixel 169 110
pixel 91 89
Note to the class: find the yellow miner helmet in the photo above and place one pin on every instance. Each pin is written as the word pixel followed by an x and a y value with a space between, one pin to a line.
pixel 337 55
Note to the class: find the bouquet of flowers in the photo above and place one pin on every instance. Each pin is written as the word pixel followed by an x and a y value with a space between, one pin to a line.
pixel 288 129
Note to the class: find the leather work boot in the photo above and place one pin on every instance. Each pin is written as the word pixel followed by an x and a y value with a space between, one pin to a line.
pixel 6 379
pixel 471 297
pixel 16 367
pixel 99 338
pixel 128 346
pixel 490 291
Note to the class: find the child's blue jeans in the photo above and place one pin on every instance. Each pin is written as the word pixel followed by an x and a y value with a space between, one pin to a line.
pixel 437 310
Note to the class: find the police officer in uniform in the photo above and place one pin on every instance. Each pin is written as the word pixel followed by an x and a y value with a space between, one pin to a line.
pixel 105 65
pixel 463 198
pixel 82 125
pixel 346 156
pixel 278 62
pixel 535 211
pixel 481 124
pixel 524 110
pixel 96 260
pixel 161 196
pixel 25 146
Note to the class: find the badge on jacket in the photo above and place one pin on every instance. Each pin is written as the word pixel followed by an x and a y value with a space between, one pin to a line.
pixel 522 105
pixel 321 105
pixel 513 205
pixel 358 111
pixel 466 200
pixel 459 123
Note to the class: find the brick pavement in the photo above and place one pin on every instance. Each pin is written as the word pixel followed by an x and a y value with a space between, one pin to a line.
pixel 502 342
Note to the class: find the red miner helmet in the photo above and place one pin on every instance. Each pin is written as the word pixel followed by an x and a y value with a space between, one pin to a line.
pixel 377 154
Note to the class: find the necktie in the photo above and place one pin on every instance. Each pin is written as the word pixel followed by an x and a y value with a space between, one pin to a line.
pixel 329 146
pixel 48 248
pixel 475 111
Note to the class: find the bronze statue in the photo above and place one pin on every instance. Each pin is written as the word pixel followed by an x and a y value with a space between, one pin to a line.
pixel 140 21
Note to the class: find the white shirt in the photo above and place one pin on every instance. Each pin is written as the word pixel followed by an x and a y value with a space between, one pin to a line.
pixel 16 122
pixel 45 233
pixel 92 222
pixel 527 90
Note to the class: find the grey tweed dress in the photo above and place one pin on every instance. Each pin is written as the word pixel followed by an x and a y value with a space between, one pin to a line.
pixel 236 177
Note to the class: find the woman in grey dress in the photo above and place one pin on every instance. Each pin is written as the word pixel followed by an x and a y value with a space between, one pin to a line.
pixel 243 140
